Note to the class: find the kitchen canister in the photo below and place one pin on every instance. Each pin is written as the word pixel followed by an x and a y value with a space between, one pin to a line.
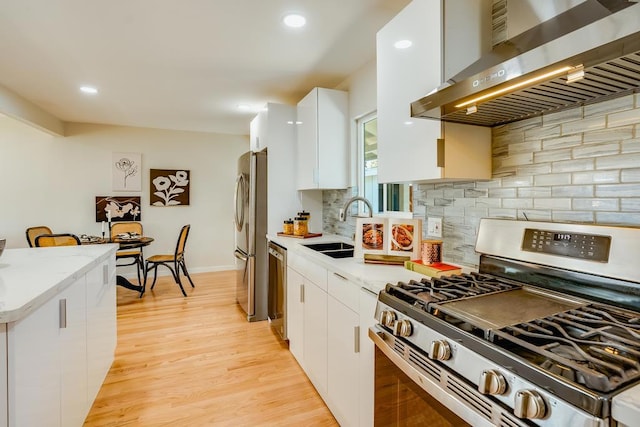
pixel 287 226
pixel 300 226
pixel 431 251
pixel 306 215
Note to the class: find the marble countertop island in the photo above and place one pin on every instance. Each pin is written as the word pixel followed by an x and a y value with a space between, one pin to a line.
pixel 31 276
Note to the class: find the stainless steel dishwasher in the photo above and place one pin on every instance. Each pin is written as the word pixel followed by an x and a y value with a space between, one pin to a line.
pixel 277 305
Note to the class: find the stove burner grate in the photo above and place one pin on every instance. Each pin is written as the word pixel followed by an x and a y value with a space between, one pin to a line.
pixel 450 288
pixel 594 345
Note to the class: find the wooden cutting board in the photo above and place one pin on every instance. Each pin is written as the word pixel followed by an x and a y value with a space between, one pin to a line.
pixel 306 236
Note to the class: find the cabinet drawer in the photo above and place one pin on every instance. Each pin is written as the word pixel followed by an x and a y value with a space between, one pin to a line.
pixel 309 269
pixel 343 290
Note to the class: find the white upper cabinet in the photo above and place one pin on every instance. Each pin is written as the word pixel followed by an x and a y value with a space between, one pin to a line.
pixel 415 149
pixel 255 139
pixel 274 129
pixel 322 140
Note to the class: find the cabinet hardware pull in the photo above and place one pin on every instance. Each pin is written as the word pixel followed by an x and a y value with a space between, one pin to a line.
pixel 370 292
pixel 340 276
pixel 63 313
pixel 440 152
pixel 301 293
pixel 356 339
pixel 105 274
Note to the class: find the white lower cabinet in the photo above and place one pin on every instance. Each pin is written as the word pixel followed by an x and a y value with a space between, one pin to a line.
pixel 344 348
pixel 307 318
pixel 74 403
pixel 52 354
pixel 315 335
pixel 327 321
pixel 34 367
pixel 101 327
pixel 367 307
pixel 295 333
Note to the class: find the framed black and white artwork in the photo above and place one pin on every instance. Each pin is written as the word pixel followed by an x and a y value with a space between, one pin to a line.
pixel 118 208
pixel 169 187
pixel 126 171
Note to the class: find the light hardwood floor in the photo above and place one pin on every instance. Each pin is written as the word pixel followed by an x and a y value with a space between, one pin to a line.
pixel 196 361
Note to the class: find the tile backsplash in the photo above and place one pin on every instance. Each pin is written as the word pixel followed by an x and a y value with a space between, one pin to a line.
pixel 579 165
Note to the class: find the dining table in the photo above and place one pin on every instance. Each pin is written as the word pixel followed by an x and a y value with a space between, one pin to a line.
pixel 124 243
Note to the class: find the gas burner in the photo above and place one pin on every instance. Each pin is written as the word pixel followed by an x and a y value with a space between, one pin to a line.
pixel 449 288
pixel 594 345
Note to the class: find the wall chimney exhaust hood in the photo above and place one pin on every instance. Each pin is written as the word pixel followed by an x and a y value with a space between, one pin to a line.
pixel 589 53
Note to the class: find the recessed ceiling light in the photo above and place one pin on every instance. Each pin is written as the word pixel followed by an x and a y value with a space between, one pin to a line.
pixel 88 89
pixel 294 20
pixel 243 107
pixel 402 44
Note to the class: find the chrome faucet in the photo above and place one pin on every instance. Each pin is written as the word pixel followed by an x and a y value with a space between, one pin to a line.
pixel 343 211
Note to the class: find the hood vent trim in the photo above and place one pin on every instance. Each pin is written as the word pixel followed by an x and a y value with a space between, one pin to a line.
pixel 610 71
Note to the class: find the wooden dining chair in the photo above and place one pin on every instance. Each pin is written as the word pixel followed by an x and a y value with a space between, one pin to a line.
pixel 33 232
pixel 130 256
pixel 62 239
pixel 173 262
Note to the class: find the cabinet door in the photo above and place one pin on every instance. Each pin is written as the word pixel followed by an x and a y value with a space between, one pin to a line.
pixel 4 397
pixel 343 361
pixel 74 403
pixel 295 321
pixel 407 147
pixel 307 141
pixel 47 362
pixel 34 367
pixel 315 336
pixel 282 191
pixel 333 147
pixel 101 324
pixel 254 134
pixel 368 301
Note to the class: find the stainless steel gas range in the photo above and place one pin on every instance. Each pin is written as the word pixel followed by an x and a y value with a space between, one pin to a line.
pixel 547 333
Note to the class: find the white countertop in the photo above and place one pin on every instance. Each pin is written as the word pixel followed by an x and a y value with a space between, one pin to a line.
pixel 373 277
pixel 29 277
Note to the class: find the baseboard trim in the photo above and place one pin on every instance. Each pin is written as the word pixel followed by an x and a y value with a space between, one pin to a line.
pixel 165 271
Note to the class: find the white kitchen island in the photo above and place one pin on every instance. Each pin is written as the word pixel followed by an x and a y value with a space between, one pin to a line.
pixel 57 332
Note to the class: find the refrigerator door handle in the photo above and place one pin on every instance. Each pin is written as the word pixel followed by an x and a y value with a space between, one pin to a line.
pixel 238 217
pixel 240 255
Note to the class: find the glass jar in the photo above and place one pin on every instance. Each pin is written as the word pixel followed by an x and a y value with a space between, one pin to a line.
pixel 287 226
pixel 306 215
pixel 300 226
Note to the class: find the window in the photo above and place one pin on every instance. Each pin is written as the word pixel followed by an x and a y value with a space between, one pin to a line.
pixel 383 197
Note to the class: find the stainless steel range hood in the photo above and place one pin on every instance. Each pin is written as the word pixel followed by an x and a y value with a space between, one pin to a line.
pixel 533 73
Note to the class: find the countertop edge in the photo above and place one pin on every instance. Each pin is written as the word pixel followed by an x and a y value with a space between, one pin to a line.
pixel 355 270
pixel 21 309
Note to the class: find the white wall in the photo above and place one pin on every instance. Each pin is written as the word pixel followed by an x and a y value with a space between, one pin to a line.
pixel 53 181
pixel 361 86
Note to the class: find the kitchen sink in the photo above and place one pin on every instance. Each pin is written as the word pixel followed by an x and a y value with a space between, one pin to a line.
pixel 333 249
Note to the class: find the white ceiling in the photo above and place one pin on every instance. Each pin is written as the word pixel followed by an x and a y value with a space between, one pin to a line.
pixel 181 64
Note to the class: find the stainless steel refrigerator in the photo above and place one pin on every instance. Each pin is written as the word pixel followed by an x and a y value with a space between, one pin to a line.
pixel 250 218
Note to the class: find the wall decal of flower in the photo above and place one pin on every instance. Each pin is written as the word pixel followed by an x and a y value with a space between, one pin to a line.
pixel 169 187
pixel 126 174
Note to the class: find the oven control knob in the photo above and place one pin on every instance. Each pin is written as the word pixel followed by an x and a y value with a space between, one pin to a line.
pixel 492 382
pixel 529 404
pixel 402 328
pixel 440 350
pixel 388 318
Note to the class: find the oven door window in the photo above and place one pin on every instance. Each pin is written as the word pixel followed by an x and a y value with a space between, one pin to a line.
pixel 401 402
